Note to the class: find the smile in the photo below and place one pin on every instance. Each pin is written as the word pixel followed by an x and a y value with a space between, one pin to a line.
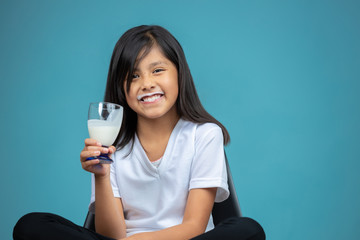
pixel 150 97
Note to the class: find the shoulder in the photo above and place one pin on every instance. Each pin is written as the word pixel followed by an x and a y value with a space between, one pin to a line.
pixel 208 128
pixel 203 131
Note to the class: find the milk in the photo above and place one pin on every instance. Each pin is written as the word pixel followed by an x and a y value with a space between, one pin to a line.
pixel 103 131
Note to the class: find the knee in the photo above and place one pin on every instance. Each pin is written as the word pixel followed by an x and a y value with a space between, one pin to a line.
pixel 27 225
pixel 256 230
pixel 248 227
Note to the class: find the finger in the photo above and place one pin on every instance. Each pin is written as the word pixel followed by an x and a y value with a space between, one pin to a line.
pixel 86 154
pixel 105 150
pixel 88 163
pixel 101 149
pixel 94 148
pixel 92 142
pixel 112 149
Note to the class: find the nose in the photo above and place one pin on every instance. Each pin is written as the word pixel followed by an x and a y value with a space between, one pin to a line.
pixel 148 83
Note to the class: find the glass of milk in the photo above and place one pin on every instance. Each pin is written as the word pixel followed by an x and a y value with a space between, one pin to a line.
pixel 104 122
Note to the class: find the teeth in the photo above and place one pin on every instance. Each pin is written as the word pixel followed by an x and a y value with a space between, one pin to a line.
pixel 151 99
pixel 139 97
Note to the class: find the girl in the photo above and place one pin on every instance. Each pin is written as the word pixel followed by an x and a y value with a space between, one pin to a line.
pixel 169 164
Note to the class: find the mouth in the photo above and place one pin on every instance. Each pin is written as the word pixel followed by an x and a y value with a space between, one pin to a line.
pixel 150 97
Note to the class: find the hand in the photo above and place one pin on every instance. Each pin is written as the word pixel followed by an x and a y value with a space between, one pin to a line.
pixel 92 149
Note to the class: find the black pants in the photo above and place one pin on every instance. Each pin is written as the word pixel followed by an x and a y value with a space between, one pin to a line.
pixel 46 226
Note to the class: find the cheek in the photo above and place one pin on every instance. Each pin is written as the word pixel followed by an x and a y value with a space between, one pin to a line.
pixel 130 98
pixel 175 87
pixel 175 90
pixel 172 84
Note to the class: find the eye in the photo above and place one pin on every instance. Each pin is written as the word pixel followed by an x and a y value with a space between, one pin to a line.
pixel 134 76
pixel 158 70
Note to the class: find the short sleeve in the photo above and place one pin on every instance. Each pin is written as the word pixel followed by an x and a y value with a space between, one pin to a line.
pixel 113 181
pixel 208 168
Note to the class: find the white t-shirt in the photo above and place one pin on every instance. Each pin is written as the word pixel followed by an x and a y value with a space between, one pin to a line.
pixel 155 198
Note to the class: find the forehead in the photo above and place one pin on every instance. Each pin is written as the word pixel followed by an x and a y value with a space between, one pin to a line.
pixel 153 55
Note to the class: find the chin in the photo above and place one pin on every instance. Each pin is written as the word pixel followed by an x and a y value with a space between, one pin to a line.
pixel 159 113
pixel 152 116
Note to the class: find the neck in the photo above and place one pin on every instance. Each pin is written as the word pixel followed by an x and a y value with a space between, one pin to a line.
pixel 159 128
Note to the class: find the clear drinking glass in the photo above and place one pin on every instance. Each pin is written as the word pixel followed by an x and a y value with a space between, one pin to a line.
pixel 104 122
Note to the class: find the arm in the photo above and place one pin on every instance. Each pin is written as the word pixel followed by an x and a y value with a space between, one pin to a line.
pixel 109 217
pixel 197 212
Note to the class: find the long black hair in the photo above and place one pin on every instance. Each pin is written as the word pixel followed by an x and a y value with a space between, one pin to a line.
pixel 124 59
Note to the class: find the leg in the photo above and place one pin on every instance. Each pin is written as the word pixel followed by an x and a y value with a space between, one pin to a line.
pixel 45 226
pixel 242 228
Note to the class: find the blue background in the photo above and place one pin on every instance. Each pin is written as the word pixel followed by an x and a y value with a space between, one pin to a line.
pixel 282 76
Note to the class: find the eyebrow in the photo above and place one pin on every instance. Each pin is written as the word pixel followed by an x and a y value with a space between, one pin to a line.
pixel 157 63
pixel 151 65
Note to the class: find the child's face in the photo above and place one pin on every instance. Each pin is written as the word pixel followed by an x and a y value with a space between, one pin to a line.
pixel 154 87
